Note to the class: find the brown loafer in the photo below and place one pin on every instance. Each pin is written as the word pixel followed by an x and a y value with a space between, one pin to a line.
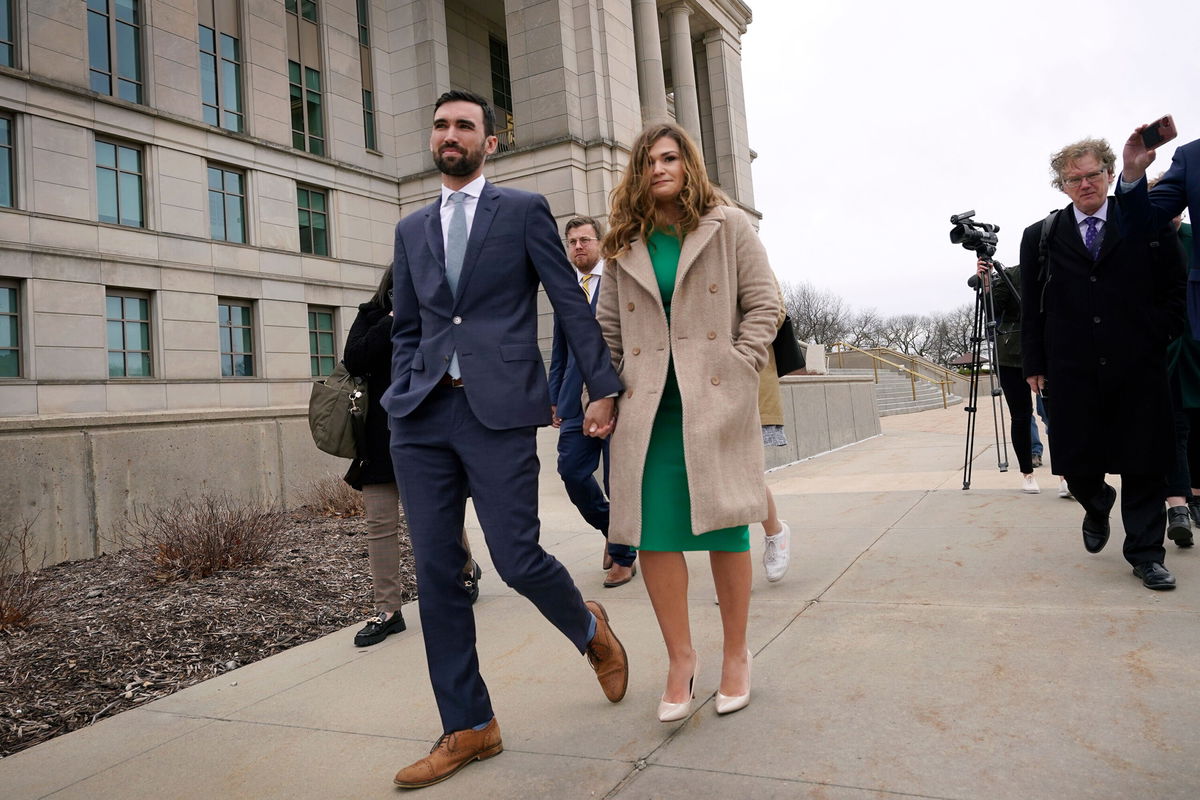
pixel 607 656
pixel 450 753
pixel 619 576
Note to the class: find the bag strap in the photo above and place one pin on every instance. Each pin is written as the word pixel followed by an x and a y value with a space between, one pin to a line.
pixel 1044 255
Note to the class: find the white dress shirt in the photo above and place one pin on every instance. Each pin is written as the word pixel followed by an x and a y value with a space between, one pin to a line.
pixel 596 272
pixel 472 190
pixel 1080 219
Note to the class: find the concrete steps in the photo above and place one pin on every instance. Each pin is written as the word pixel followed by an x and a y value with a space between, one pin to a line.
pixel 894 394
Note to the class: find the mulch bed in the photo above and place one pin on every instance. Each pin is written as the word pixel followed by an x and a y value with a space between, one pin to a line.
pixel 111 637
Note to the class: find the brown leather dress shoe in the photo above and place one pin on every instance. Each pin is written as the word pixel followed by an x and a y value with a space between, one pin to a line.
pixel 607 656
pixel 451 753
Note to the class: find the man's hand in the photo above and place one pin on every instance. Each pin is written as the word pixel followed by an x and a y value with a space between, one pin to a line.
pixel 984 270
pixel 600 418
pixel 555 419
pixel 1135 158
pixel 1036 383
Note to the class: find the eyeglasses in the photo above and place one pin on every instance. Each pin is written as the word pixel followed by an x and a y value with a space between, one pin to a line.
pixel 582 240
pixel 1091 177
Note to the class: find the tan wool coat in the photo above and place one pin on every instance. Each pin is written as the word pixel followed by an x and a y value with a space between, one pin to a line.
pixel 723 314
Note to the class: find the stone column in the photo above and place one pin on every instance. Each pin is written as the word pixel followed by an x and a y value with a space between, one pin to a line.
pixel 730 141
pixel 683 70
pixel 652 87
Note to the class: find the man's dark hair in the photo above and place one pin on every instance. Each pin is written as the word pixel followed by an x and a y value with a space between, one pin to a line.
pixel 579 222
pixel 489 116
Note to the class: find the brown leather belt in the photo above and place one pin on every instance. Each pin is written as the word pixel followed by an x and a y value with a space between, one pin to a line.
pixel 448 381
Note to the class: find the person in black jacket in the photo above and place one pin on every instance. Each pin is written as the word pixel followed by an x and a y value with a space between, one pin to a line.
pixel 369 354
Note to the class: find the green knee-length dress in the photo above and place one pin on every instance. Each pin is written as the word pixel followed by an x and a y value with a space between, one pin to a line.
pixel 666 504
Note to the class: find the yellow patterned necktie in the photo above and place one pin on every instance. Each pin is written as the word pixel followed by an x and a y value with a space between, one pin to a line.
pixel 586 288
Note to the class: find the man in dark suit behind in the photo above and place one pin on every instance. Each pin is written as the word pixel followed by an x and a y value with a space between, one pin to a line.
pixel 468 392
pixel 578 454
pixel 1102 298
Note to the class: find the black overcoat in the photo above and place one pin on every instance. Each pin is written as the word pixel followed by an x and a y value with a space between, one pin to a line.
pixel 1098 330
pixel 369 353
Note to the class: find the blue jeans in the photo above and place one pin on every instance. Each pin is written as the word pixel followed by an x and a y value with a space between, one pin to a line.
pixel 1033 430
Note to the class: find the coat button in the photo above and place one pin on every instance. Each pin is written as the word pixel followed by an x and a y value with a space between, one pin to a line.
pixel 1093 279
pixel 630 306
pixel 457 320
pixel 716 381
pixel 1096 320
pixel 637 351
pixel 712 334
pixel 629 393
pixel 1103 361
pixel 712 287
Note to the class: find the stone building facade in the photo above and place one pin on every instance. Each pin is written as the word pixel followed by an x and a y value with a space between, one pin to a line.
pixel 195 195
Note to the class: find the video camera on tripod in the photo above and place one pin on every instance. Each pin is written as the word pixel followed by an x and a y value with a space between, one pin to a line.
pixel 981 237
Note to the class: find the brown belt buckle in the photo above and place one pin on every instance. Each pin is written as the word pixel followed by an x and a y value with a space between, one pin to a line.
pixel 448 381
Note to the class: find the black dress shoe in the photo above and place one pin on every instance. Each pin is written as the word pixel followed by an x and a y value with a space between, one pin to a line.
pixel 1095 526
pixel 1154 575
pixel 377 629
pixel 1179 526
pixel 470 581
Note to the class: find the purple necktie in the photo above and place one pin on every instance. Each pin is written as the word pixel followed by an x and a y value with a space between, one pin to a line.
pixel 1091 237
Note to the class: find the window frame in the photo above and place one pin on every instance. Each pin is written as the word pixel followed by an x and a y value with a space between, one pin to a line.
pixel 307 209
pixel 11 147
pixel 225 171
pixel 316 359
pixel 114 74
pixel 252 353
pixel 8 19
pixel 141 295
pixel 15 285
pixel 226 118
pixel 116 168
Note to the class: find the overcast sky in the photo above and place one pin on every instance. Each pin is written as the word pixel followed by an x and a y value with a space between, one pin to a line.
pixel 874 121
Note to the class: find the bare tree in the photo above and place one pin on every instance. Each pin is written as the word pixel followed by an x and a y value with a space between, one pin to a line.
pixel 817 316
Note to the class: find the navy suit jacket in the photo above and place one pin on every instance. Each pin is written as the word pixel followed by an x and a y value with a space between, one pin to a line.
pixel 492 321
pixel 566 383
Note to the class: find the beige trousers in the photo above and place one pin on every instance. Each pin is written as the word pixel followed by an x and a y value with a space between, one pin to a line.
pixel 382 503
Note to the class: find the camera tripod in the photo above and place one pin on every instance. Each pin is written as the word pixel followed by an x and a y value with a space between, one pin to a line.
pixel 983 331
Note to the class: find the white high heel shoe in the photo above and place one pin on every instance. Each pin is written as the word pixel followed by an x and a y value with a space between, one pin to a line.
pixel 726 704
pixel 672 712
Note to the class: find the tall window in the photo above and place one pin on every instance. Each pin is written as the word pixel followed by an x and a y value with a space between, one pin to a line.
pixel 314 221
pixel 304 76
pixel 128 316
pixel 8 189
pixel 501 85
pixel 308 132
pixel 368 80
pixel 119 184
pixel 10 331
pixel 227 204
pixel 322 357
pixel 221 64
pixel 235 325
pixel 7 45
pixel 115 48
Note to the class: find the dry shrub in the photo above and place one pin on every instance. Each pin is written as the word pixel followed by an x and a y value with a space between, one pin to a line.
pixel 21 599
pixel 333 497
pixel 195 537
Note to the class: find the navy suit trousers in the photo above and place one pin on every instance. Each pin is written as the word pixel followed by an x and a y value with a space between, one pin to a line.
pixel 578 458
pixel 442 452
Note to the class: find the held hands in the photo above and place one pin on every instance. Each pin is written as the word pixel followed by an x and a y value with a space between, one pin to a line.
pixel 1036 383
pixel 600 418
pixel 555 419
pixel 1135 158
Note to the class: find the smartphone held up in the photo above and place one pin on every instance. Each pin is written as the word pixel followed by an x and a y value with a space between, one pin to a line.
pixel 1159 132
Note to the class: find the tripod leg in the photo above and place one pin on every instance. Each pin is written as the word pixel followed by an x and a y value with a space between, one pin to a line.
pixel 972 391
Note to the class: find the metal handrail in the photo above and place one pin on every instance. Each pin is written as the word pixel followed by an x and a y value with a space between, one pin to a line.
pixel 912 373
pixel 937 369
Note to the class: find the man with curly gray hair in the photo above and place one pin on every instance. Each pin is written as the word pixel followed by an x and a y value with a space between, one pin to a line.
pixel 1101 297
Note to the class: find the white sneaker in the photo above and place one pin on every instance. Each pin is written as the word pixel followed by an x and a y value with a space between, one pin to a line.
pixel 1029 485
pixel 778 553
pixel 1063 491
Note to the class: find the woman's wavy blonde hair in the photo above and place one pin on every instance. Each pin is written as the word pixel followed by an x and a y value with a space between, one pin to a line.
pixel 632 212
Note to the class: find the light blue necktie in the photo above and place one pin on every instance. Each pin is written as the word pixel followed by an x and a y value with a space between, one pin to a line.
pixel 456 251
pixel 1091 237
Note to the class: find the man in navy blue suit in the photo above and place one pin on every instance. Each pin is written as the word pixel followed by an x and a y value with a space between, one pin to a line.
pixel 578 454
pixel 467 395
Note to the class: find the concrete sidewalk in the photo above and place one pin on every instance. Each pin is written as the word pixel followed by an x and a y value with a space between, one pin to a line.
pixel 928 642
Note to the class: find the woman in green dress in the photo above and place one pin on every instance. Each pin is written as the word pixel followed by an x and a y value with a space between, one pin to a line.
pixel 688 309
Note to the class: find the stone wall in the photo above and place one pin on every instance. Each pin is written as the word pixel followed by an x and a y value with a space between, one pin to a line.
pixel 822 413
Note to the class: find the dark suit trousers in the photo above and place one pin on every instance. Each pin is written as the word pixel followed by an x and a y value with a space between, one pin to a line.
pixel 578 458
pixel 1142 511
pixel 441 452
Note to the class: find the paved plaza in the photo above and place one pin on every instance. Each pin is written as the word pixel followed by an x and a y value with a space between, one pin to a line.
pixel 929 642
